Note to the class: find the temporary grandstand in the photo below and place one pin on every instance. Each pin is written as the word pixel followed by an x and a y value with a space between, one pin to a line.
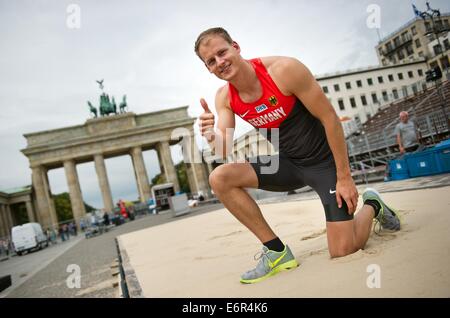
pixel 375 143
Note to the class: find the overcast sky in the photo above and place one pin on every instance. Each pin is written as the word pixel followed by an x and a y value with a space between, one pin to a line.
pixel 145 49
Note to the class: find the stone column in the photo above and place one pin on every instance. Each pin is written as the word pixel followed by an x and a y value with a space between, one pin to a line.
pixel 30 211
pixel 194 165
pixel 166 164
pixel 76 197
pixel 51 203
pixel 2 223
pixel 9 217
pixel 209 167
pixel 141 174
pixel 190 178
pixel 160 161
pixel 102 176
pixel 41 197
pixel 4 227
pixel 34 204
pixel 253 149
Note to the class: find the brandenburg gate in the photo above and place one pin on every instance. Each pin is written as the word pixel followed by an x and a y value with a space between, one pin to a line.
pixel 105 137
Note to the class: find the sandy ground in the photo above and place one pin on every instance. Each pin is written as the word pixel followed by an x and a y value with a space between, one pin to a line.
pixel 204 256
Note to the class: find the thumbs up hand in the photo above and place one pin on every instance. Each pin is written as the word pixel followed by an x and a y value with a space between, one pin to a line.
pixel 206 122
pixel 204 105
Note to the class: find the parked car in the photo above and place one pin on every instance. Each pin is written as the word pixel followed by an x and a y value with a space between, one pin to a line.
pixel 27 237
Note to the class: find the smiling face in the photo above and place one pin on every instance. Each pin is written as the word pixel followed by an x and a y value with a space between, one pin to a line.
pixel 220 57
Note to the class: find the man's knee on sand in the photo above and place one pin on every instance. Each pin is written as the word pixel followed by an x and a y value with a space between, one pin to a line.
pixel 342 251
pixel 342 248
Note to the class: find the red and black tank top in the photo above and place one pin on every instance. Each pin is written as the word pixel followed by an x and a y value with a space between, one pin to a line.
pixel 301 136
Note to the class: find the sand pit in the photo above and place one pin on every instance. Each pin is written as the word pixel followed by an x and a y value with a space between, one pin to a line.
pixel 203 256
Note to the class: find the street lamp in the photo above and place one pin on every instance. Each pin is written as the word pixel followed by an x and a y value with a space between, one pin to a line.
pixel 437 27
pixel 433 14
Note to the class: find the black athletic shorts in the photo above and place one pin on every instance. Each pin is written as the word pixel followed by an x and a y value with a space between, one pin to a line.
pixel 288 175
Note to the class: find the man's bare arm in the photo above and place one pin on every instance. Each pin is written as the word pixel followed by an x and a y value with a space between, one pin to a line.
pixel 400 145
pixel 296 79
pixel 221 139
pixel 225 124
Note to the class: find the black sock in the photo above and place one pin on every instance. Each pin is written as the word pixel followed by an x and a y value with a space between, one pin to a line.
pixel 375 205
pixel 275 245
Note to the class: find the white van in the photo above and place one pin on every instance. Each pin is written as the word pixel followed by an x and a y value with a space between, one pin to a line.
pixel 28 236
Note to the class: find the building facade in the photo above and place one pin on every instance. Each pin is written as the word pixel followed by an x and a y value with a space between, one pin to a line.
pixel 356 95
pixel 126 134
pixel 10 200
pixel 417 38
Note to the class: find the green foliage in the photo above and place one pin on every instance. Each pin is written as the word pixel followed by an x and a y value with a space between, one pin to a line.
pixel 158 179
pixel 182 177
pixel 20 213
pixel 63 207
pixel 89 208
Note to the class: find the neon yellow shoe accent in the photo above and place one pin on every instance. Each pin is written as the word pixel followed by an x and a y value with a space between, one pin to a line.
pixel 283 267
pixel 278 259
pixel 270 263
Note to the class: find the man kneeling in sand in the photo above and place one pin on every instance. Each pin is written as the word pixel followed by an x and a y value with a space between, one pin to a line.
pixel 281 93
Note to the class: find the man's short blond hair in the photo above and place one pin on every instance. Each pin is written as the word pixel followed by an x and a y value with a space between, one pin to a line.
pixel 212 31
pixel 403 113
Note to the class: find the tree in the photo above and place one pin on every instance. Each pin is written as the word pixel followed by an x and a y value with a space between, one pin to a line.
pixel 158 179
pixel 63 207
pixel 182 177
pixel 180 169
pixel 20 213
